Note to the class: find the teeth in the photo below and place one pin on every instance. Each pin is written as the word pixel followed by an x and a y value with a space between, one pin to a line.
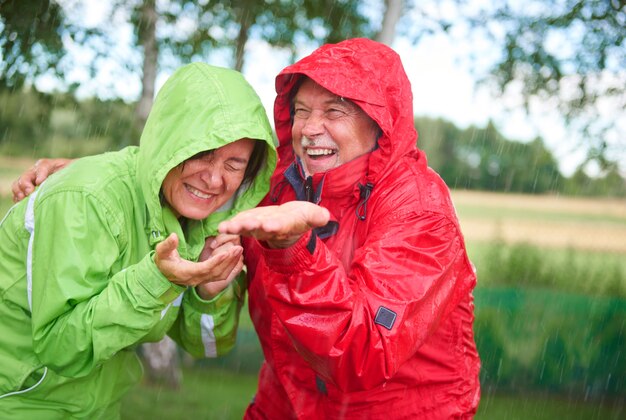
pixel 197 193
pixel 319 152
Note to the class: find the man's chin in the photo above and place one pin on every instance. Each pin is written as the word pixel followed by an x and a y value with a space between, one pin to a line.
pixel 312 166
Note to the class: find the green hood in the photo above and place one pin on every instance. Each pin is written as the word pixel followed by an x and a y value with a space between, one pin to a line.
pixel 199 108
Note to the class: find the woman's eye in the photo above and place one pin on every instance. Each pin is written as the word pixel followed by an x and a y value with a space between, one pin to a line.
pixel 234 168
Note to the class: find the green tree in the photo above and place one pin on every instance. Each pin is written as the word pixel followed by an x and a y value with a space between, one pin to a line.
pixel 30 39
pixel 569 53
pixel 482 158
pixel 192 30
pixel 24 121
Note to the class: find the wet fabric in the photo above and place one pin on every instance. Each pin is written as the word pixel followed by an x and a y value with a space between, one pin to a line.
pixel 78 283
pixel 375 318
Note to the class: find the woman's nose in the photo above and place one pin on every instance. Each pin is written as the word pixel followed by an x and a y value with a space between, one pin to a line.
pixel 213 178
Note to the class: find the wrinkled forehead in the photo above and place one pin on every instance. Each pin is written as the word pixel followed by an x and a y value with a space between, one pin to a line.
pixel 312 88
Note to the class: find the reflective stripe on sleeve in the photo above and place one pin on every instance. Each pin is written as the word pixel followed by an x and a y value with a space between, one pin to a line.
pixel 29 224
pixel 208 336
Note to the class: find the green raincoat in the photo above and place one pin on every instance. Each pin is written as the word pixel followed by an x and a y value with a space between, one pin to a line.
pixel 78 285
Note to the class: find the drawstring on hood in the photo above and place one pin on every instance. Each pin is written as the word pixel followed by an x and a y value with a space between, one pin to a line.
pixel 277 190
pixel 364 195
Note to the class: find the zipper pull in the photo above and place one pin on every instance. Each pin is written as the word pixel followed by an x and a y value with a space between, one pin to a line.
pixel 308 189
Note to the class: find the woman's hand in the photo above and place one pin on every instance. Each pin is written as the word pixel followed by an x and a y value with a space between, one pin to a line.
pixel 220 261
pixel 212 246
pixel 35 175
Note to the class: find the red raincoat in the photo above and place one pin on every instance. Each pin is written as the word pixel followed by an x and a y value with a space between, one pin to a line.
pixel 372 316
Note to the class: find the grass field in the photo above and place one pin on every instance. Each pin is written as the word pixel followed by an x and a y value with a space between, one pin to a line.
pixel 597 225
pixel 222 395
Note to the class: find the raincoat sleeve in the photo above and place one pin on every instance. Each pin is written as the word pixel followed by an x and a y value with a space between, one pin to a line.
pixel 208 328
pixel 356 328
pixel 82 314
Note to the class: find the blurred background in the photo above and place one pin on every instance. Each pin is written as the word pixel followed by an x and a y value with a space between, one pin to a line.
pixel 519 105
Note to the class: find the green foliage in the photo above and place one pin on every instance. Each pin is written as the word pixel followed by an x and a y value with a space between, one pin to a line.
pixel 24 121
pixel 568 271
pixel 532 52
pixel 483 159
pixel 35 125
pixel 192 30
pixel 570 53
pixel 611 184
pixel 538 340
pixel 30 39
pixel 221 394
pixel 204 394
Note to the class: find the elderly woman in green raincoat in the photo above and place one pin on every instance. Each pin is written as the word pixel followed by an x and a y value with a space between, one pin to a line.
pixel 122 248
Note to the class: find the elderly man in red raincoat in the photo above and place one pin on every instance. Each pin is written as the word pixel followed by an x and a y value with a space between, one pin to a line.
pixel 360 285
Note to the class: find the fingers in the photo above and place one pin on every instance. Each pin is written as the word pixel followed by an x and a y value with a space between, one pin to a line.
pixel 239 226
pixel 214 243
pixel 236 269
pixel 24 185
pixel 218 265
pixel 230 258
pixel 224 238
pixel 166 248
pixel 35 175
pixel 210 289
pixel 289 219
pixel 217 268
pixel 43 169
pixel 317 216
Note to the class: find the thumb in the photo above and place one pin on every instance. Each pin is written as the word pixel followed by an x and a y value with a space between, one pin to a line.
pixel 167 248
pixel 318 216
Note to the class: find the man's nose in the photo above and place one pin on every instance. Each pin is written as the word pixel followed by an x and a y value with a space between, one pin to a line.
pixel 313 125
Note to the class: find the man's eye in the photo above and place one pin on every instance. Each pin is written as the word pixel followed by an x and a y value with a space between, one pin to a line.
pixel 301 113
pixel 335 113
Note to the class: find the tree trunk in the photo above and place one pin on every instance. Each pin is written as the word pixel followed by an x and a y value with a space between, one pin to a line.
pixel 147 34
pixel 161 363
pixel 160 359
pixel 245 21
pixel 393 10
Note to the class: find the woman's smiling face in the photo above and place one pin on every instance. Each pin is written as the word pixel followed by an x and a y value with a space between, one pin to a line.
pixel 200 185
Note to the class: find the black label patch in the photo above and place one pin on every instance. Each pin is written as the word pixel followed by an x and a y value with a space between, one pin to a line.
pixel 385 317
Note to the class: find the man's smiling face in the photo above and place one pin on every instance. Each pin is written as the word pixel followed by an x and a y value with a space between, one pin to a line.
pixel 328 130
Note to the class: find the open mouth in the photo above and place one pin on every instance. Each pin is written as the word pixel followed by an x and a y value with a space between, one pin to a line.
pixel 320 153
pixel 197 192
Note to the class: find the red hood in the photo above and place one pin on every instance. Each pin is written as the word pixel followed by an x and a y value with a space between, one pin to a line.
pixel 372 76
